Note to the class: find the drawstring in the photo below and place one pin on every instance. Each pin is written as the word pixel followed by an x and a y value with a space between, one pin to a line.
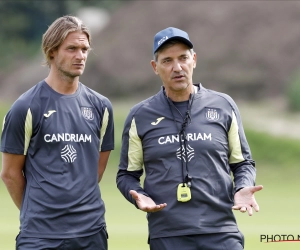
pixel 182 137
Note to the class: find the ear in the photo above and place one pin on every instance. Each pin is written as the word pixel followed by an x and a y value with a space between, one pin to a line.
pixel 51 54
pixel 195 60
pixel 154 66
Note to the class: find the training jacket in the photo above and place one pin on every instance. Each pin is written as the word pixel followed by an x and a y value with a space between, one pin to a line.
pixel 61 136
pixel 216 146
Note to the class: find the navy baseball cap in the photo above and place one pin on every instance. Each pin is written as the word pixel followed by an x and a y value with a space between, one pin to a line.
pixel 170 34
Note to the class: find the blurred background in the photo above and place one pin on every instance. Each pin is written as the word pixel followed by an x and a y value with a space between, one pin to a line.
pixel 247 49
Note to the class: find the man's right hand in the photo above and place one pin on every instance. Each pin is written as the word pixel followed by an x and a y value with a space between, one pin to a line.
pixel 145 203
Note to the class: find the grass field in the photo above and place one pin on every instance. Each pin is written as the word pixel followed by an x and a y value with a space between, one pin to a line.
pixel 277 170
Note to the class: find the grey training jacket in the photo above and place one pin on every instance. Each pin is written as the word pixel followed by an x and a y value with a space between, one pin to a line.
pixel 216 146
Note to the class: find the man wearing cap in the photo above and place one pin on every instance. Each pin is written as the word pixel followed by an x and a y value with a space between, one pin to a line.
pixel 188 140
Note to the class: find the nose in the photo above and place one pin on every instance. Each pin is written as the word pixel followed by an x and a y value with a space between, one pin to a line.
pixel 177 66
pixel 80 54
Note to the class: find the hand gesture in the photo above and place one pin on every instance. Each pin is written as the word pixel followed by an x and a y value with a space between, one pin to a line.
pixel 145 203
pixel 244 199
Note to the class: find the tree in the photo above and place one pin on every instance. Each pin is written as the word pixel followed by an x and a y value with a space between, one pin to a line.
pixel 23 23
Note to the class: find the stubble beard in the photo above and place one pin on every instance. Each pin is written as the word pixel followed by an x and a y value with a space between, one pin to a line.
pixel 68 74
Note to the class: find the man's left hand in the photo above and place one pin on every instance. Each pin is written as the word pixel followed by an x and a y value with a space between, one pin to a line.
pixel 244 199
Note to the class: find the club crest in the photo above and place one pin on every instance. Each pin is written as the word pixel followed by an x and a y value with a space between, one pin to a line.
pixel 87 113
pixel 212 114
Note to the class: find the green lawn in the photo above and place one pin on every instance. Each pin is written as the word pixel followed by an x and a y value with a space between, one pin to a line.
pixel 127 227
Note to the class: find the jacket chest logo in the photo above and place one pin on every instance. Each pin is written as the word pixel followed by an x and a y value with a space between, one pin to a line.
pixel 87 113
pixel 69 153
pixel 158 120
pixel 185 154
pixel 212 114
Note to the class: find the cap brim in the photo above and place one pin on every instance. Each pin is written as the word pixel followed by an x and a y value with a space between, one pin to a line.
pixel 179 38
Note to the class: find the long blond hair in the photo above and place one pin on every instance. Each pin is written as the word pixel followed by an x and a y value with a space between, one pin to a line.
pixel 57 33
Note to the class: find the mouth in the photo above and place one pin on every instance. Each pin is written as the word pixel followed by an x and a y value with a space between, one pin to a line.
pixel 80 65
pixel 178 77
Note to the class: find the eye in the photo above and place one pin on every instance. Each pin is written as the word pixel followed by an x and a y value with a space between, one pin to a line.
pixel 167 60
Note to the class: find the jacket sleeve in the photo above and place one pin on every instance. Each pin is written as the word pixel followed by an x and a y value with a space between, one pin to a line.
pixel 131 160
pixel 240 159
pixel 17 128
pixel 107 128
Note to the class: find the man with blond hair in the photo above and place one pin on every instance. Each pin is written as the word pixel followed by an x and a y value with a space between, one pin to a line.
pixel 56 142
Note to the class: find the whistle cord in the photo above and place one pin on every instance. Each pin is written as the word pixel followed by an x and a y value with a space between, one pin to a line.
pixel 182 137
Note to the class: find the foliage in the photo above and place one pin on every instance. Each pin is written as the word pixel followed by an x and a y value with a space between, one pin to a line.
pixel 293 93
pixel 274 151
pixel 23 22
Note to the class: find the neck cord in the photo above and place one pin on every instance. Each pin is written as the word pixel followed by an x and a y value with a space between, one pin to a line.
pixel 182 137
